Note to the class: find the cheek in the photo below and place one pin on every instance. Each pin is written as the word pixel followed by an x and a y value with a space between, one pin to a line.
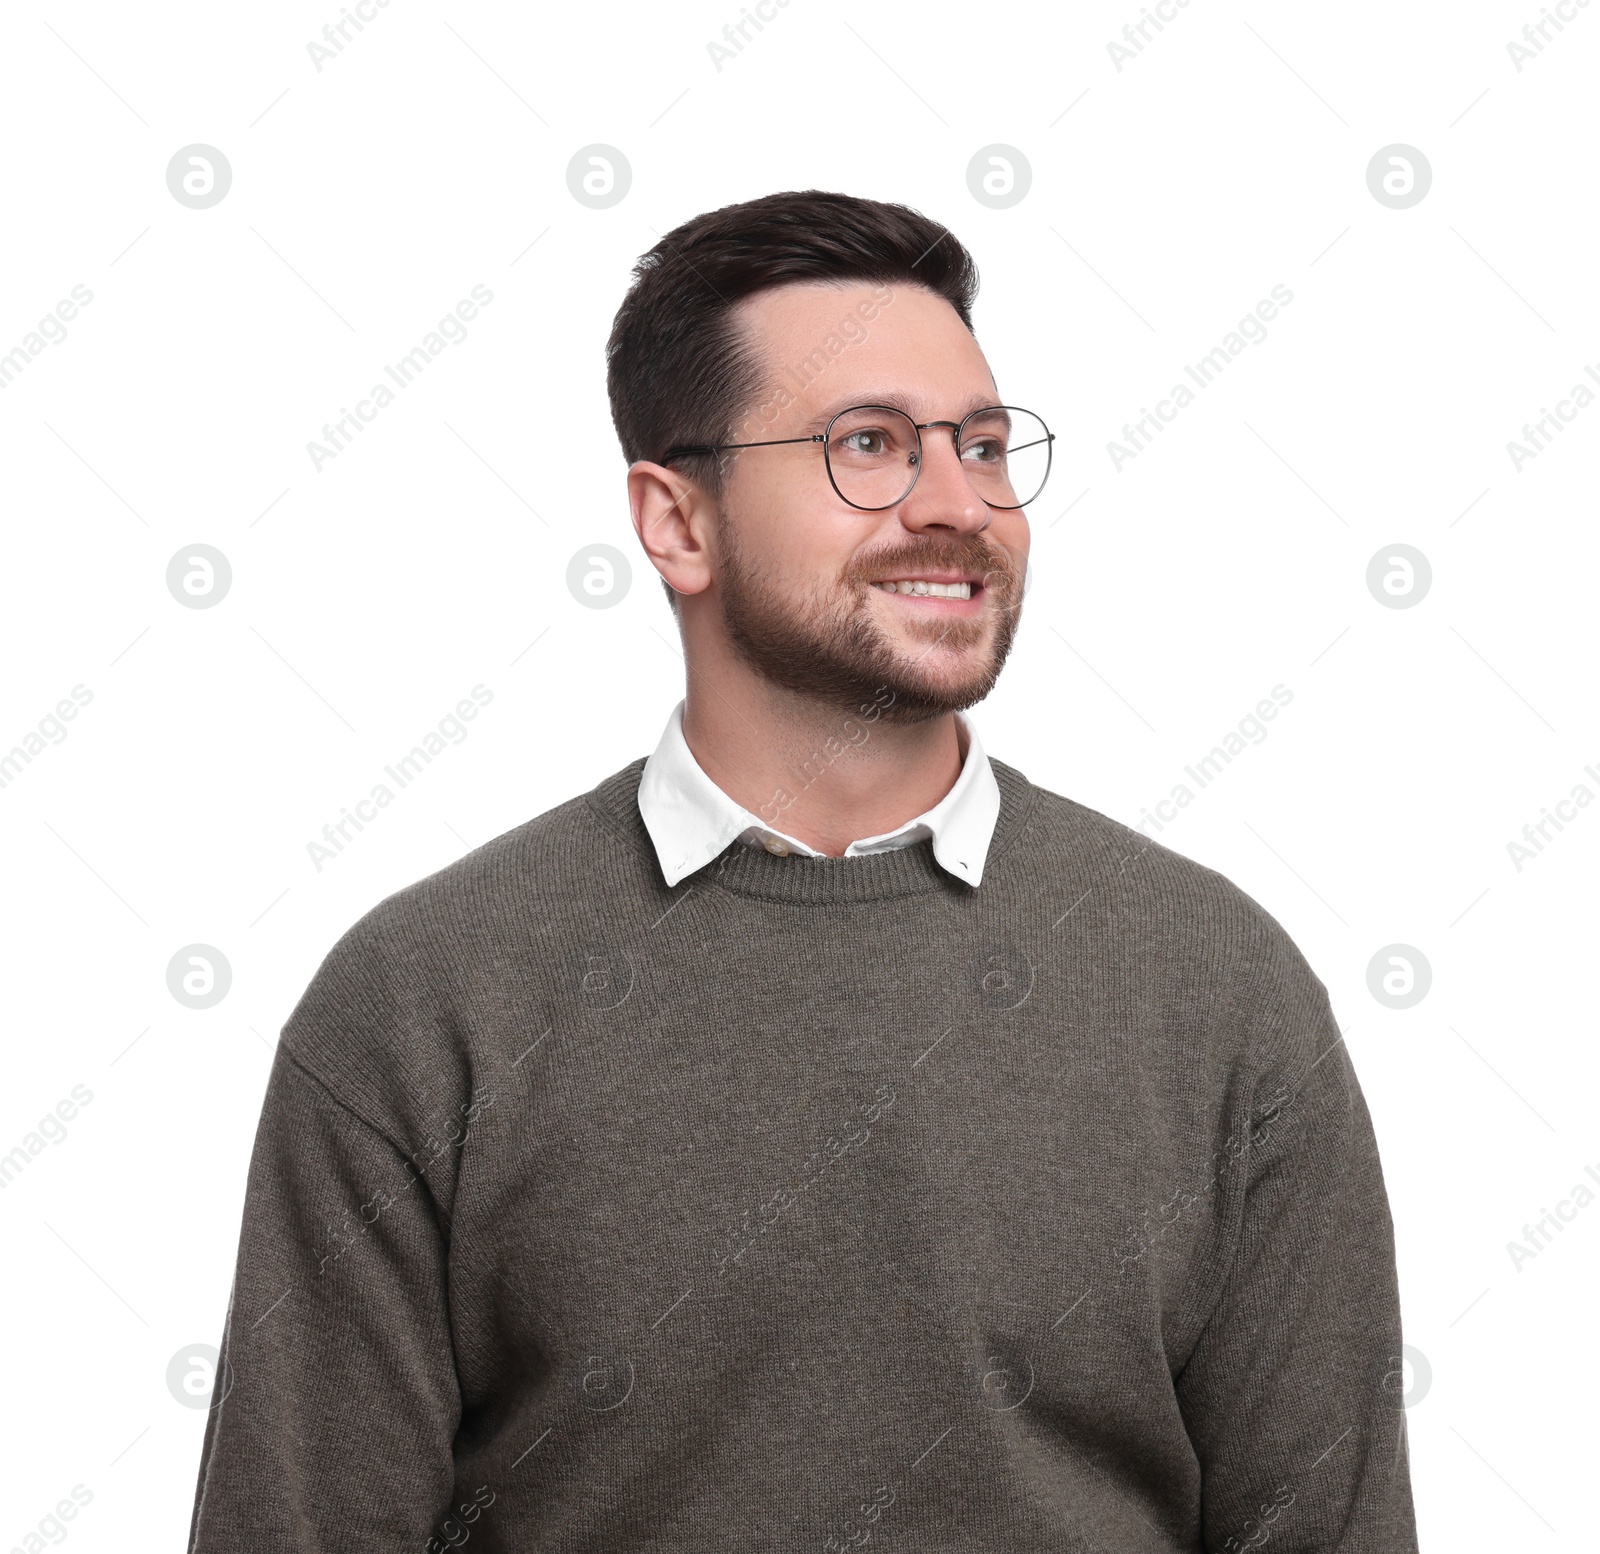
pixel 1009 533
pixel 792 528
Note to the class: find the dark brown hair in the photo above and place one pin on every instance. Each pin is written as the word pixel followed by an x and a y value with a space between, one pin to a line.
pixel 678 370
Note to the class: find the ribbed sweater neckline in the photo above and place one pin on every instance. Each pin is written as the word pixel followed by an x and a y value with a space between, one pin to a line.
pixel 751 871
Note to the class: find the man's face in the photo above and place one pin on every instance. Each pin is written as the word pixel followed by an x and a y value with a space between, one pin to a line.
pixel 798 569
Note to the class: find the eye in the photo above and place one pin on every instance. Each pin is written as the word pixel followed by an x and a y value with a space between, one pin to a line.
pixel 867 441
pixel 985 450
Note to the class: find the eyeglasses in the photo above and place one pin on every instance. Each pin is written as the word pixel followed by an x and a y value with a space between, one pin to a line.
pixel 873 454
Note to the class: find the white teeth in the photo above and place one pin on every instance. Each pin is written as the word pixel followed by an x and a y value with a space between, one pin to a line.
pixel 924 589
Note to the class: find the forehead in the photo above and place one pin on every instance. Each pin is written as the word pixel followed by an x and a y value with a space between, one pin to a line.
pixel 826 342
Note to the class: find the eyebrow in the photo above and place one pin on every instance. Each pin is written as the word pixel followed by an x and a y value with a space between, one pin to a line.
pixel 895 400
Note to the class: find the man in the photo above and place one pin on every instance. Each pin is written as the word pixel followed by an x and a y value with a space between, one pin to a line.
pixel 817 1132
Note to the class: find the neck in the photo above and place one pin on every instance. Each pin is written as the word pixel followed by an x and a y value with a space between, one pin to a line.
pixel 825 775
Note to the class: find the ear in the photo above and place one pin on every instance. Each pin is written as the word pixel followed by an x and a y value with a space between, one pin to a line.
pixel 673 518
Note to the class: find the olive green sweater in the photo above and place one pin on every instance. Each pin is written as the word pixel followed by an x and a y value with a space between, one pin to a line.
pixel 813 1201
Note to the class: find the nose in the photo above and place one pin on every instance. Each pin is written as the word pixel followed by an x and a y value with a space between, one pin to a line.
pixel 943 497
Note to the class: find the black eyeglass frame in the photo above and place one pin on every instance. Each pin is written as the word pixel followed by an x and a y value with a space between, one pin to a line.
pixel 826 434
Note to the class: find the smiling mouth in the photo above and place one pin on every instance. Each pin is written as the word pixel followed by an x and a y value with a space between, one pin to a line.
pixel 922 588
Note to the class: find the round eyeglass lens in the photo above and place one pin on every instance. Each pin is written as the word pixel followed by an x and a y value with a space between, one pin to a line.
pixel 872 455
pixel 1006 454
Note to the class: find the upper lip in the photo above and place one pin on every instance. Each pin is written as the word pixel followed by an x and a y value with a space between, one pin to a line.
pixel 935 575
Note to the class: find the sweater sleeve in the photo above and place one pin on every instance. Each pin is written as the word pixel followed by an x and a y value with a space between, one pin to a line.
pixel 1291 1393
pixel 335 1400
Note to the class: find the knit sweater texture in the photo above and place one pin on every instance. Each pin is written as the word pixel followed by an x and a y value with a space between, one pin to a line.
pixel 812 1202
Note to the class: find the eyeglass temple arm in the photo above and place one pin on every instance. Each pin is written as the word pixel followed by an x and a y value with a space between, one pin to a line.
pixel 721 447
pixel 779 442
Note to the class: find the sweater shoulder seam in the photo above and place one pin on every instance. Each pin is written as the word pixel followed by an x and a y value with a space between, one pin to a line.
pixel 296 1061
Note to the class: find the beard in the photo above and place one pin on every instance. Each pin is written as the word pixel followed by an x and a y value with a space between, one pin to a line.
pixel 831 649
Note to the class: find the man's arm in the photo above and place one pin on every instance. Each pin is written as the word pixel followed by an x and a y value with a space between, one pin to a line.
pixel 335 1400
pixel 1291 1392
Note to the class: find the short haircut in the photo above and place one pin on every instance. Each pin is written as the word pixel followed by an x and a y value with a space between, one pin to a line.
pixel 678 371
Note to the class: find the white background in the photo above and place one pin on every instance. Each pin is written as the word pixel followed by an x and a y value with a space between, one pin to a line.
pixel 1168 597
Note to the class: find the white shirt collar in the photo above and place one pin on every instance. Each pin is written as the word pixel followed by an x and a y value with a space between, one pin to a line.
pixel 691 820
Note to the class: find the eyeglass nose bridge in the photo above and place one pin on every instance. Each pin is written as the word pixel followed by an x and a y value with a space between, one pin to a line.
pixel 919 427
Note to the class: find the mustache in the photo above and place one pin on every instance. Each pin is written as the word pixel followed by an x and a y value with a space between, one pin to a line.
pixel 971 553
